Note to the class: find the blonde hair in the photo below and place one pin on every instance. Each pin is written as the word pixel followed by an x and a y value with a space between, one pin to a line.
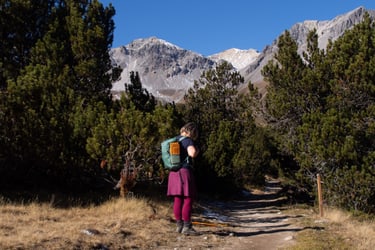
pixel 191 130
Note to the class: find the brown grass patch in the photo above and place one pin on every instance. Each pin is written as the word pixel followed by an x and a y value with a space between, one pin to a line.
pixel 337 229
pixel 116 224
pixel 139 223
pixel 362 233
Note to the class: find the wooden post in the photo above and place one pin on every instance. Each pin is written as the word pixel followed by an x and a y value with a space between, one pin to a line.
pixel 320 195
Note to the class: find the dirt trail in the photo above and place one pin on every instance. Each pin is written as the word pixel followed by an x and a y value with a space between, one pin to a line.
pixel 255 221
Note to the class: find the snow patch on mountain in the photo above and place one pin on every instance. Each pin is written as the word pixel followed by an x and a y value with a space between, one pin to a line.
pixel 237 57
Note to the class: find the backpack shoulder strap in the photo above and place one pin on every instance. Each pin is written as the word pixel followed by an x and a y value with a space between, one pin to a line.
pixel 181 138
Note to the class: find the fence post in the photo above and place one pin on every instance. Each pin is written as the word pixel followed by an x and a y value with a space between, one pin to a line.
pixel 320 195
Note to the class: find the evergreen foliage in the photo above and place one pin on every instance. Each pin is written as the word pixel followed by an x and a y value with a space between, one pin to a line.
pixel 213 98
pixel 23 23
pixel 228 131
pixel 127 130
pixel 65 75
pixel 326 113
pixel 138 95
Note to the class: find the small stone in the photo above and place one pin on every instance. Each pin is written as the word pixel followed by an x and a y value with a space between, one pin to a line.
pixel 90 232
pixel 288 238
pixel 320 221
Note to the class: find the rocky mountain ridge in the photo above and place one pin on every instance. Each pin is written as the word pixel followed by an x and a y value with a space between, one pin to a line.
pixel 326 30
pixel 168 71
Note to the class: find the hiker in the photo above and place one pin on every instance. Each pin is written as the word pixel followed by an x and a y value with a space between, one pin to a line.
pixel 181 183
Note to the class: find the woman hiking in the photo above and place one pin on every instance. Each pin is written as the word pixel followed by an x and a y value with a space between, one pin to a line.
pixel 181 183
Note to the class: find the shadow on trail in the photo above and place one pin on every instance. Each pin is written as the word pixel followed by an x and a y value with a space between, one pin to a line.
pixel 260 232
pixel 251 214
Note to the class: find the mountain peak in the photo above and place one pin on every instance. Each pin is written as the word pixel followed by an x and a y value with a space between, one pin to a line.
pixel 165 69
pixel 237 57
pixel 141 42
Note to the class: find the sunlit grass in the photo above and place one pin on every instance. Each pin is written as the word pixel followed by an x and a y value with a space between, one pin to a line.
pixel 143 224
pixel 118 222
pixel 360 232
pixel 336 230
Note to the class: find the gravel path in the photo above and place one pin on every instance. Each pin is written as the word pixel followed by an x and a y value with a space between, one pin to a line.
pixel 255 221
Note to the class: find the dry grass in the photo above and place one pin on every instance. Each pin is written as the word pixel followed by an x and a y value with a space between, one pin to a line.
pixel 116 224
pixel 336 230
pixel 362 233
pixel 137 223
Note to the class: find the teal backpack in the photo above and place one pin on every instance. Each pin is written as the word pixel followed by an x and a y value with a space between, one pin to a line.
pixel 170 153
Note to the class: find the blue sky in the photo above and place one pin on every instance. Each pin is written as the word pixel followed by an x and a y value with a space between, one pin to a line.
pixel 211 26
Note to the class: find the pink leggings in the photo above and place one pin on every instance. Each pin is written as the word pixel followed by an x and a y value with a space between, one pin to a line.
pixel 182 207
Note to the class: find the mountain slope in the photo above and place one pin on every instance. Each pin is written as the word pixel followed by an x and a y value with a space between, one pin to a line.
pixel 168 71
pixel 326 30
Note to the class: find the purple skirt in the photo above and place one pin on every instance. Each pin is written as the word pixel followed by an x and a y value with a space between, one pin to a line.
pixel 181 183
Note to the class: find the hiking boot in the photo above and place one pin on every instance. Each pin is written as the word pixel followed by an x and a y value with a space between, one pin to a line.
pixel 188 229
pixel 179 225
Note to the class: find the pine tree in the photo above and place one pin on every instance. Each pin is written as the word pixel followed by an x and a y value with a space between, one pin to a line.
pixel 65 82
pixel 127 129
pixel 138 95
pixel 90 28
pixel 324 113
pixel 286 91
pixel 22 24
pixel 227 127
pixel 213 97
pixel 341 136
